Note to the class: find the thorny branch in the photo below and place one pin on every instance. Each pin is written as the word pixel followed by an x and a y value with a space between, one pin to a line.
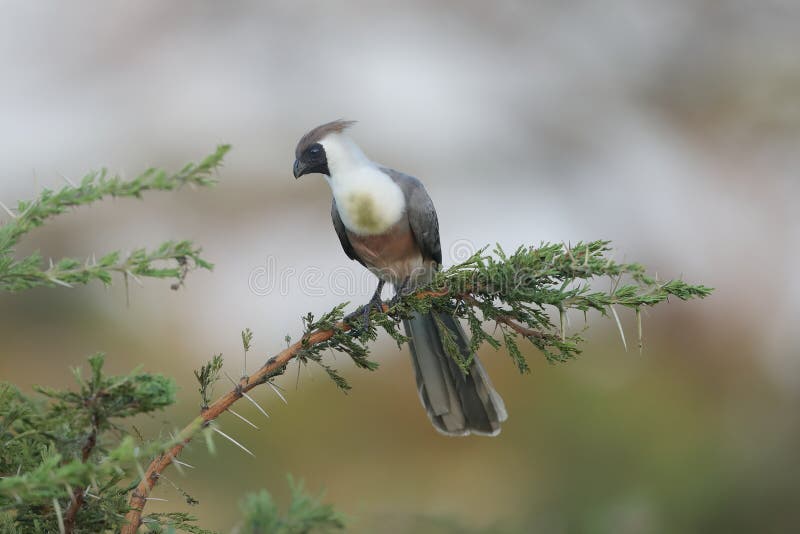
pixel 274 365
pixel 511 290
pixel 171 260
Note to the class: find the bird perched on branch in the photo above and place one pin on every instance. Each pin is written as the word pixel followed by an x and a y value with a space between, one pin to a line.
pixel 386 221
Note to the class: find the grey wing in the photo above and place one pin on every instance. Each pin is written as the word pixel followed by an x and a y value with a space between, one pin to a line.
pixel 421 214
pixel 338 225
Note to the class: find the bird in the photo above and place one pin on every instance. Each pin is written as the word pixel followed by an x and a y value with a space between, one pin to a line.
pixel 386 221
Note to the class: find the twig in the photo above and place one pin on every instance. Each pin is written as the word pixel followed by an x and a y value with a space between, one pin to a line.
pixel 467 293
pixel 242 387
pixel 142 491
pixel 522 330
pixel 78 494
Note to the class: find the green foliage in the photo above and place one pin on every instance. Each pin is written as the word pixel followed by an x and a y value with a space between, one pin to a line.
pixel 68 463
pixel 68 443
pixel 206 377
pixel 521 292
pixel 65 460
pixel 355 346
pixel 247 339
pixel 171 522
pixel 306 514
pixel 518 293
pixel 172 260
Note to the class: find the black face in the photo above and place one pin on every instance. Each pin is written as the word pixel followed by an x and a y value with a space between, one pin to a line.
pixel 312 159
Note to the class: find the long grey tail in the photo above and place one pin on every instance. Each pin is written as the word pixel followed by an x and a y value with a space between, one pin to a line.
pixel 458 404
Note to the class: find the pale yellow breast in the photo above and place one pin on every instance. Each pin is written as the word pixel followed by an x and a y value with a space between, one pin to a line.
pixel 363 213
pixel 369 201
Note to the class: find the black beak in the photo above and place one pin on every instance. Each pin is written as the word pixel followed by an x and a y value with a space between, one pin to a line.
pixel 299 168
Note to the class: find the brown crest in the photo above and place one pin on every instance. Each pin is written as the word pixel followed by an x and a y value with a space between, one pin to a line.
pixel 314 136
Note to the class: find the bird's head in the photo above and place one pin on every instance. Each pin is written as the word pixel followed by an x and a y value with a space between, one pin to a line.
pixel 310 155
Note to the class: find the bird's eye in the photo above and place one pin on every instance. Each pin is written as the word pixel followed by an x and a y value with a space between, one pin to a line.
pixel 314 150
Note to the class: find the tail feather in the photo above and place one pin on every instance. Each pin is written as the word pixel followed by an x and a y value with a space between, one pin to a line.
pixel 458 404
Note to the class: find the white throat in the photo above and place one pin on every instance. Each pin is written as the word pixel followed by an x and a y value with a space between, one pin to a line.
pixel 368 200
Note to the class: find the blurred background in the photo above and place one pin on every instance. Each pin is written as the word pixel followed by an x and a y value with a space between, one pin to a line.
pixel 669 127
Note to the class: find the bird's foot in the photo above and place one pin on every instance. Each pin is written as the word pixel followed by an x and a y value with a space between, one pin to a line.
pixel 402 290
pixel 364 312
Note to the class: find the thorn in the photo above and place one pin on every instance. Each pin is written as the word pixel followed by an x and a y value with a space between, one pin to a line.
pixel 260 409
pixel 234 382
pixel 92 495
pixel 59 282
pixel 51 264
pixel 639 329
pixel 127 290
pixel 619 325
pixel 242 418
pixel 224 435
pixel 184 464
pixel 568 250
pixel 246 396
pixel 135 278
pixel 209 437
pixel 59 516
pixel 278 393
pixel 156 499
pixel 29 208
pixel 11 213
pixel 179 468
pixel 69 182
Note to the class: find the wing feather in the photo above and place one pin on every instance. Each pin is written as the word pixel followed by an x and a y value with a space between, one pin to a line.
pixel 421 214
pixel 341 231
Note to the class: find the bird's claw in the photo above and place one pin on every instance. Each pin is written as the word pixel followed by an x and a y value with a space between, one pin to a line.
pixel 402 290
pixel 363 313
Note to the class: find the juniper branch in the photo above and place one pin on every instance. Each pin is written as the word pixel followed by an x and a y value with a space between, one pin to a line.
pixel 516 291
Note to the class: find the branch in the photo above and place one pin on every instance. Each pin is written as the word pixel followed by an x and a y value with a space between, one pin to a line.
pixel 171 260
pixel 274 366
pixel 504 319
pixel 512 290
pixel 78 493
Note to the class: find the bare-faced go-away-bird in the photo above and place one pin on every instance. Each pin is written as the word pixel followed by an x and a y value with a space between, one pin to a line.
pixel 386 221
